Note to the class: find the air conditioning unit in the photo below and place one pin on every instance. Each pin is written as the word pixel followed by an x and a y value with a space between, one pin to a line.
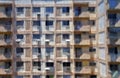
pixel 47 42
pixel 18 40
pixel 67 41
pixel 47 68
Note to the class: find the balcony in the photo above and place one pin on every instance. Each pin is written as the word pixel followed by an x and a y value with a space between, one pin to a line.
pixel 83 28
pixel 49 56
pixel 83 70
pixel 4 71
pixel 114 22
pixel 114 58
pixel 36 68
pixel 5 68
pixel 37 28
pixel 5 28
pixel 5 56
pixel 5 42
pixel 49 70
pixel 20 69
pixel 81 42
pixel 83 14
pixel 5 15
pixel 66 69
pixel 83 55
pixel 36 41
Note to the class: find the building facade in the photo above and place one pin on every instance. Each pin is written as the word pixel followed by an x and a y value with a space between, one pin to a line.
pixel 59 38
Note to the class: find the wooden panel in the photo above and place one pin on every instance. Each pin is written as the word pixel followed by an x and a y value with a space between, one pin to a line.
pixel 28 51
pixel 58 26
pixel 58 52
pixel 27 24
pixel 28 66
pixel 58 12
pixel 27 12
pixel 59 66
pixel 28 38
pixel 58 38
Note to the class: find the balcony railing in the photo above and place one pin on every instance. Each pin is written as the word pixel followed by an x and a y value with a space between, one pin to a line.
pixel 83 70
pixel 66 69
pixel 5 71
pixel 82 28
pixel 5 15
pixel 20 69
pixel 5 1
pixel 36 68
pixel 5 28
pixel 83 55
pixel 5 56
pixel 5 41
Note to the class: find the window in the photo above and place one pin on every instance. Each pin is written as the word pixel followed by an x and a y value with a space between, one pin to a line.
pixel 77 11
pixel 91 9
pixel 36 23
pixel 66 76
pixel 92 36
pixel 65 9
pixel 36 9
pixel 20 23
pixel 49 23
pixel 112 16
pixel 114 67
pixel 49 76
pixel 113 50
pixel 49 9
pixel 92 22
pixel 92 49
pixel 49 50
pixel 19 77
pixel 36 76
pixel 20 36
pixel 66 64
pixel 66 49
pixel 19 64
pixel 20 9
pixel 19 50
pixel 49 64
pixel 36 63
pixel 49 36
pixel 65 36
pixel 36 49
pixel 93 76
pixel 65 23
pixel 92 64
pixel 36 36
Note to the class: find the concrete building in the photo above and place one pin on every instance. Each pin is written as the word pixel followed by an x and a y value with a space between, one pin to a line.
pixel 59 38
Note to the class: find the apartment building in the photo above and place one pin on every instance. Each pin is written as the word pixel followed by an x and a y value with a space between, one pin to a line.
pixel 59 38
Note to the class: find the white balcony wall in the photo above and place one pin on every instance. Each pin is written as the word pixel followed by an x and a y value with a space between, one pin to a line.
pixel 22 1
pixel 42 2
